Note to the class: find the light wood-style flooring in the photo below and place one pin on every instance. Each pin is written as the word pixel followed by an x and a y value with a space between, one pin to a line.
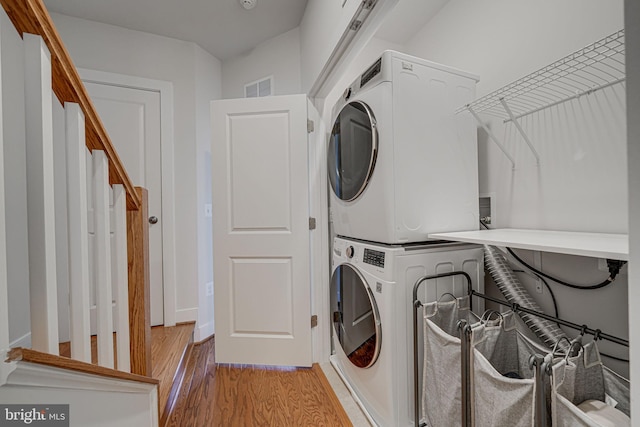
pixel 168 351
pixel 169 354
pixel 196 392
pixel 227 396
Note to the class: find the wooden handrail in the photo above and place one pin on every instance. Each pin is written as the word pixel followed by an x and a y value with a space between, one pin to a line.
pixel 139 286
pixel 33 356
pixel 31 16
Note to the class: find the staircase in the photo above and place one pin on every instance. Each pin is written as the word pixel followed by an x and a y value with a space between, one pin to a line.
pixel 73 243
pixel 171 350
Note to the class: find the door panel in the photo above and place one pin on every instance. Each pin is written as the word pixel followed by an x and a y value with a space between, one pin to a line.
pixel 132 120
pixel 262 303
pixel 254 206
pixel 260 231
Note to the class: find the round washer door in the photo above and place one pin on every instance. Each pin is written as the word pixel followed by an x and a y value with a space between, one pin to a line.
pixel 356 320
pixel 352 152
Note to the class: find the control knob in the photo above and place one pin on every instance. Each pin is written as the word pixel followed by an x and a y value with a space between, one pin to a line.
pixel 350 251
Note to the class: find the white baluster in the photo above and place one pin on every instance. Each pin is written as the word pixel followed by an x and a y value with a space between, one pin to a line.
pixel 121 276
pixel 40 196
pixel 62 225
pixel 77 208
pixel 102 259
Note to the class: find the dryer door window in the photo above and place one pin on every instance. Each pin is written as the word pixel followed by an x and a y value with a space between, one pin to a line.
pixel 356 322
pixel 353 148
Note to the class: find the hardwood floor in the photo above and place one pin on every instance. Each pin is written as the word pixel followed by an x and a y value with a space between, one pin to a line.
pixel 210 395
pixel 253 396
pixel 169 345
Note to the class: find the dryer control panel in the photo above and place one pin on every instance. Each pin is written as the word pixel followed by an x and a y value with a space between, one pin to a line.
pixel 373 257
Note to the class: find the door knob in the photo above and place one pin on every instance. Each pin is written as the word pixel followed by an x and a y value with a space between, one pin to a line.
pixel 153 219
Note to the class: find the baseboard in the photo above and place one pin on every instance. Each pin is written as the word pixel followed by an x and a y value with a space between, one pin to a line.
pixel 203 332
pixel 186 315
pixel 24 341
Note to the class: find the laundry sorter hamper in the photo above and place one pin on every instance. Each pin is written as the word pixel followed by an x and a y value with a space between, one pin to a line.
pixel 503 381
pixel 441 373
pixel 586 393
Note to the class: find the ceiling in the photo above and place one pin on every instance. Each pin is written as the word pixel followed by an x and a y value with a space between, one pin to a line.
pixel 221 27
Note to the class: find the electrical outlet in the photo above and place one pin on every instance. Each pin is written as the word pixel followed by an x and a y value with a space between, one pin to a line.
pixel 539 286
pixel 602 265
pixel 485 208
pixel 537 262
pixel 210 289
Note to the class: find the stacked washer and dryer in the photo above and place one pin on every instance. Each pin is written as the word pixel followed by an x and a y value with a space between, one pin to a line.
pixel 401 165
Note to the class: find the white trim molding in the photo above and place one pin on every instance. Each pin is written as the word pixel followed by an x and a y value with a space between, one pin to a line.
pixel 203 332
pixel 186 315
pixel 165 89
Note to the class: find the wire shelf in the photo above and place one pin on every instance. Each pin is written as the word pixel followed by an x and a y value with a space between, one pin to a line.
pixel 599 65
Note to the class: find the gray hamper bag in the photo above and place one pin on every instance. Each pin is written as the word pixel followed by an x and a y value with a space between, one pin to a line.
pixel 441 385
pixel 584 378
pixel 503 384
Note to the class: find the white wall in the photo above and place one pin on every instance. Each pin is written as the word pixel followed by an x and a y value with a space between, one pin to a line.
pixel 632 34
pixel 581 182
pixel 278 57
pixel 108 48
pixel 208 82
pixel 13 129
pixel 322 25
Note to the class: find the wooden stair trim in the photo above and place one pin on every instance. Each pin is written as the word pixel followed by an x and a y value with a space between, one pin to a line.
pixel 139 286
pixel 31 16
pixel 340 413
pixel 32 356
pixel 178 381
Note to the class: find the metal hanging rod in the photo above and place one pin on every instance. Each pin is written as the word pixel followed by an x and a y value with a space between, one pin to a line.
pixel 540 417
pixel 597 333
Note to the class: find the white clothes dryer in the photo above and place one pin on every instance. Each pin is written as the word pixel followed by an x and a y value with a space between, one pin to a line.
pixel 401 163
pixel 371 311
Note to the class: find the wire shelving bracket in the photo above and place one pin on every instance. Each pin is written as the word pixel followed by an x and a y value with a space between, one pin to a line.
pixel 594 67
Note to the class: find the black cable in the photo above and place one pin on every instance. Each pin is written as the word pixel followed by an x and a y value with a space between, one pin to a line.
pixel 606 282
pixel 614 269
pixel 541 276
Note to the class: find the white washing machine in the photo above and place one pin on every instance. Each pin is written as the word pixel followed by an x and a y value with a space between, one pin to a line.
pixel 401 163
pixel 371 309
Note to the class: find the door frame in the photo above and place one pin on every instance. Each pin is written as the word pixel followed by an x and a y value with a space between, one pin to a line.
pixel 165 89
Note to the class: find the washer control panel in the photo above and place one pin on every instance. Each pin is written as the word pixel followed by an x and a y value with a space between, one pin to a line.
pixel 373 257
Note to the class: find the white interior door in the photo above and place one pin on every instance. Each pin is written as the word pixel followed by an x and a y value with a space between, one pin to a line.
pixel 261 231
pixel 132 120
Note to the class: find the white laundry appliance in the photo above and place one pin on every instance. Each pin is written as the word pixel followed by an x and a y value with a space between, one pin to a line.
pixel 371 308
pixel 401 163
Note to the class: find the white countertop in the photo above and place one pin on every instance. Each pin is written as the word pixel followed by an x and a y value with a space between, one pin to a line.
pixel 599 245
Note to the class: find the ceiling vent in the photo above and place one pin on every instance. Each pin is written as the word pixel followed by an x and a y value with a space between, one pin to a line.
pixel 259 88
pixel 248 4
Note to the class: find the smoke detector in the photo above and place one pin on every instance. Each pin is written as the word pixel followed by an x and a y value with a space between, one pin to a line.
pixel 248 4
